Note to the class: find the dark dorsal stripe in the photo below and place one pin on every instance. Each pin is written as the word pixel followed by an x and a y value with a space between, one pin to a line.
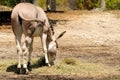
pixel 52 29
pixel 51 26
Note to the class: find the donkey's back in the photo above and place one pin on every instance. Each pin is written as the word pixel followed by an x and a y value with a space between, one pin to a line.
pixel 27 10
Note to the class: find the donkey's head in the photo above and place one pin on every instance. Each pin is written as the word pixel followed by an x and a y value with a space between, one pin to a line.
pixel 52 47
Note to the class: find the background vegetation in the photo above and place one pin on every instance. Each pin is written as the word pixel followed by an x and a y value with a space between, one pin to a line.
pixel 79 4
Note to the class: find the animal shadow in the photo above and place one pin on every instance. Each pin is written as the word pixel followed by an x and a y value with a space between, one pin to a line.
pixel 12 68
pixel 39 63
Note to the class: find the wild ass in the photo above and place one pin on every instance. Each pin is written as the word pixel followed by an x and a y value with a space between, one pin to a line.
pixel 32 21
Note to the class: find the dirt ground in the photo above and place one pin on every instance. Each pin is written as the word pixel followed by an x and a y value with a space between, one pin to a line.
pixel 90 36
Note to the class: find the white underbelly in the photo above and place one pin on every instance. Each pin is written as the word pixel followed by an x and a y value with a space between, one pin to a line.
pixel 38 31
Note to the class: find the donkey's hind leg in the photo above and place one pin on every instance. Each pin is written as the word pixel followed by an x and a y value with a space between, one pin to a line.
pixel 17 30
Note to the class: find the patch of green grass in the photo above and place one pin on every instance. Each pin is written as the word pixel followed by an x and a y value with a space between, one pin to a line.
pixel 6 64
pixel 69 61
pixel 66 66
pixel 72 66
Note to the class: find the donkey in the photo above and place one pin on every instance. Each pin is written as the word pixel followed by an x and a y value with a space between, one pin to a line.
pixel 32 21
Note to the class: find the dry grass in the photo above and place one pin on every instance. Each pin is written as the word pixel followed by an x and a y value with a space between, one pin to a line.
pixel 5 8
pixel 5 27
pixel 116 13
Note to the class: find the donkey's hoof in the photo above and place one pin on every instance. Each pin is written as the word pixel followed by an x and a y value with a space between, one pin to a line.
pixel 52 63
pixel 49 65
pixel 29 66
pixel 25 71
pixel 18 71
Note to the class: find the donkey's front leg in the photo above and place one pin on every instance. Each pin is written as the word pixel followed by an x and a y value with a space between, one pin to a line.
pixel 44 38
pixel 29 55
pixel 26 46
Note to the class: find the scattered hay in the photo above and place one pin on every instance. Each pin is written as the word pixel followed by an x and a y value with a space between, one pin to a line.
pixel 70 61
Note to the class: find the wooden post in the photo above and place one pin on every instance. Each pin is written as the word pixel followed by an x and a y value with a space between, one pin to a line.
pixel 48 2
pixel 22 0
pixel 102 4
pixel 53 5
pixel 35 2
pixel 72 4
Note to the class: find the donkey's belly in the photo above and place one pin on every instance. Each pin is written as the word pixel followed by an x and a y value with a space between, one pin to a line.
pixel 38 32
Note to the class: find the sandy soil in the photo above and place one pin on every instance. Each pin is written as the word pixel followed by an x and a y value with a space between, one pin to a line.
pixel 91 36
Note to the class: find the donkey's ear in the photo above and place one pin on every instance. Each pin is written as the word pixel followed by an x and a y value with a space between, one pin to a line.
pixel 61 35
